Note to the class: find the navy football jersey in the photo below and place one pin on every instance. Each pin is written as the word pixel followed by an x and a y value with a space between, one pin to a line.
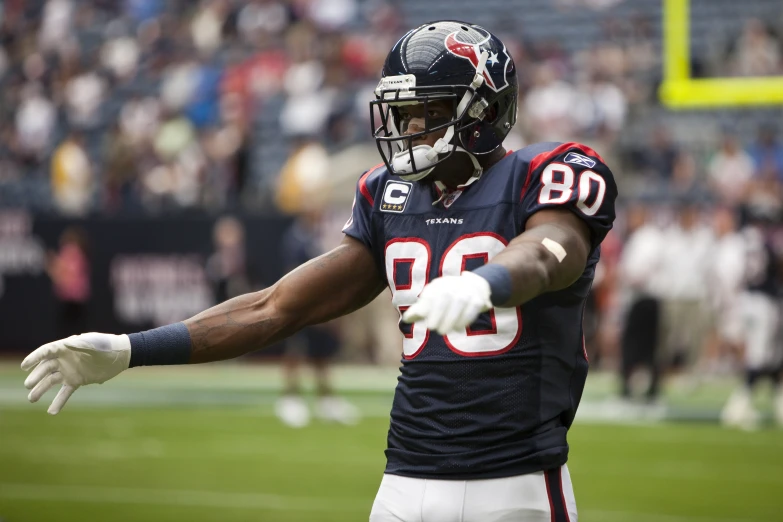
pixel 496 399
pixel 760 263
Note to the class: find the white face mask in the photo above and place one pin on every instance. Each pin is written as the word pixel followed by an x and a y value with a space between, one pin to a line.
pixel 403 164
pixel 425 157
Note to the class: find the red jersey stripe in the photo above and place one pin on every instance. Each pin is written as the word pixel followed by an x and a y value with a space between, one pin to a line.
pixel 363 184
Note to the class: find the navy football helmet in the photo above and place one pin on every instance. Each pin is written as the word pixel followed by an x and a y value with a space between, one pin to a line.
pixel 460 63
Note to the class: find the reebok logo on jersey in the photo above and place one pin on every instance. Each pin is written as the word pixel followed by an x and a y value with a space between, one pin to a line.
pixel 443 221
pixel 578 159
pixel 395 196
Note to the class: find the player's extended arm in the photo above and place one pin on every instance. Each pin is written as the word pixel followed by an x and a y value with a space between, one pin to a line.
pixel 549 255
pixel 329 286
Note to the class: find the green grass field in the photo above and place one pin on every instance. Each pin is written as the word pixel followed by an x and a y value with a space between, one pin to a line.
pixel 202 444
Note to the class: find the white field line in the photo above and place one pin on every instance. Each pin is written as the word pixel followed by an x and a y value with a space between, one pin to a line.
pixel 252 501
pixel 258 401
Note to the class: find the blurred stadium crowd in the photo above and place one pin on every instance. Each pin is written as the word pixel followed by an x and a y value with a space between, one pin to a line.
pixel 150 105
pixel 161 106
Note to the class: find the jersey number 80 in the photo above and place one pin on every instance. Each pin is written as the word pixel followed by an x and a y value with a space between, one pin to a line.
pixel 414 256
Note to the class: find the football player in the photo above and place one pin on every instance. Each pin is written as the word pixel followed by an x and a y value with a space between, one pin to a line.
pixel 759 312
pixel 489 255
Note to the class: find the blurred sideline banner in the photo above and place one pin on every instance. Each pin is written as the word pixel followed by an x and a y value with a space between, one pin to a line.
pixel 144 271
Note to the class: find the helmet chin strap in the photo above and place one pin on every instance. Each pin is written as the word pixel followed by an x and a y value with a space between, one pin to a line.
pixel 425 155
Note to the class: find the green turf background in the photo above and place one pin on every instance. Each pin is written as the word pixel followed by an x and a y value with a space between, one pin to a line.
pixel 202 444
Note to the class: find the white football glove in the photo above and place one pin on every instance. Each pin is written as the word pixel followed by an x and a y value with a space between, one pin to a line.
pixel 451 303
pixel 78 360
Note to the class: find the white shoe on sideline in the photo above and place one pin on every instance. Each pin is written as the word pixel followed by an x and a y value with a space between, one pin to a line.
pixel 739 411
pixel 292 410
pixel 336 409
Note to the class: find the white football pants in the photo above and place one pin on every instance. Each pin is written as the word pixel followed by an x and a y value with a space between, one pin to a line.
pixel 536 497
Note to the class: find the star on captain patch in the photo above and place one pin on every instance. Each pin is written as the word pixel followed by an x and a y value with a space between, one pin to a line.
pixel 493 58
pixel 395 196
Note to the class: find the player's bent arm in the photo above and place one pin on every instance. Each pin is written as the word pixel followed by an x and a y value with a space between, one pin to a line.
pixel 549 255
pixel 327 287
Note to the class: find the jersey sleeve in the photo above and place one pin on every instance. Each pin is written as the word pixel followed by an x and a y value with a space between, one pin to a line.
pixel 358 225
pixel 572 177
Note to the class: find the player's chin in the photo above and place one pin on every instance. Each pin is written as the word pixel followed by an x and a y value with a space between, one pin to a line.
pixel 447 168
pixel 432 177
pixel 428 179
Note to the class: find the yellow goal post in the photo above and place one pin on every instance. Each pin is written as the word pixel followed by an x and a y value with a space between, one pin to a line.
pixel 680 91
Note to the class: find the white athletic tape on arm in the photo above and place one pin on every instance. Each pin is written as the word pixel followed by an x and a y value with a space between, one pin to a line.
pixel 554 247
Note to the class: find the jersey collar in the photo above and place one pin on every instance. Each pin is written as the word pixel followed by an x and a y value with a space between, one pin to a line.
pixel 443 191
